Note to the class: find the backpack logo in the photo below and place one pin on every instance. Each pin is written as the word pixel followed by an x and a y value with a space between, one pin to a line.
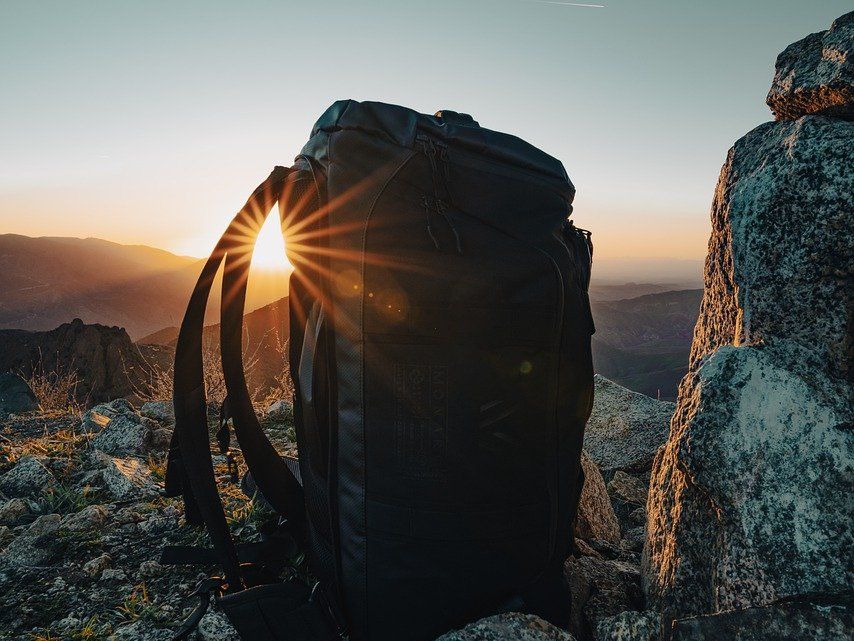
pixel 421 420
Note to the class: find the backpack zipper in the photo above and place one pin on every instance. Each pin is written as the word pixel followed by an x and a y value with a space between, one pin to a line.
pixel 429 148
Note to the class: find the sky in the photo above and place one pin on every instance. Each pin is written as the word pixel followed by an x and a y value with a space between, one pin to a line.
pixel 151 122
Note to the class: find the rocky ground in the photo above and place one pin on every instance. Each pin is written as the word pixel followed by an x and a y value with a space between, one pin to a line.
pixel 83 519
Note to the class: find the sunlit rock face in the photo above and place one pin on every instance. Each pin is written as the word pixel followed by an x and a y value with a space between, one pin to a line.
pixel 780 253
pixel 749 500
pixel 816 74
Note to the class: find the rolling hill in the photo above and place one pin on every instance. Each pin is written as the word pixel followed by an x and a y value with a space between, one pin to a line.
pixel 643 343
pixel 47 281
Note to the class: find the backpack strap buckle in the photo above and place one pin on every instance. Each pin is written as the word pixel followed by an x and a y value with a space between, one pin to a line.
pixel 206 587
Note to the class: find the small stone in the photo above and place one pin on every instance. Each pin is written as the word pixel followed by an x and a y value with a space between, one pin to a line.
pixel 113 574
pixel 628 488
pixel 214 626
pixel 97 565
pixel 600 589
pixel 160 411
pixel 68 623
pixel 583 548
pixel 160 438
pixel 28 477
pixel 149 569
pixel 280 411
pixel 37 544
pixel 157 524
pixel 596 518
pixel 128 478
pixel 90 517
pixel 511 626
pixel 141 631
pixel 13 510
pixel 120 429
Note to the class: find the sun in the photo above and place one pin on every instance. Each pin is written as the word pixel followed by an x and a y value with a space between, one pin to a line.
pixel 269 251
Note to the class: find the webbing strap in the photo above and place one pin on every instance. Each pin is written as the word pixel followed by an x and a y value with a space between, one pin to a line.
pixel 189 467
pixel 271 474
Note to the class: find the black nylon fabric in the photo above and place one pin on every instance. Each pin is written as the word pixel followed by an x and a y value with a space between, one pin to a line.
pixel 400 125
pixel 458 381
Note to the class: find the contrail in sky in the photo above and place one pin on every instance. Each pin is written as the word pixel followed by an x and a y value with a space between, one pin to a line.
pixel 566 4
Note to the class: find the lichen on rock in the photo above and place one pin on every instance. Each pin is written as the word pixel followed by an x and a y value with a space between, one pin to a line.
pixel 119 429
pixel 511 626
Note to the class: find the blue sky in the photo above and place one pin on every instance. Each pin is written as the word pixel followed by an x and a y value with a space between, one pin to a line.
pixel 149 122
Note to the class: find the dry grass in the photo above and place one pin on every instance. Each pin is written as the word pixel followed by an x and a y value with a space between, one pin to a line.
pixel 159 385
pixel 64 444
pixel 56 391
pixel 283 389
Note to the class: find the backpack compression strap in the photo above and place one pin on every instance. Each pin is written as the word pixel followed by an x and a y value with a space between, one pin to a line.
pixel 189 467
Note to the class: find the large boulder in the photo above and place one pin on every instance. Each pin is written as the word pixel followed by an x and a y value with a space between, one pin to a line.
pixel 780 252
pixel 595 518
pixel 16 397
pixel 778 622
pixel 508 627
pixel 625 429
pixel 816 74
pixel 749 501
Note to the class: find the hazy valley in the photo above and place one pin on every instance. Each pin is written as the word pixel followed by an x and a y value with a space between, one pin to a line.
pixel 642 340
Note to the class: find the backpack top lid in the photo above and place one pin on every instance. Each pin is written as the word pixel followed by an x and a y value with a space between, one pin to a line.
pixel 400 125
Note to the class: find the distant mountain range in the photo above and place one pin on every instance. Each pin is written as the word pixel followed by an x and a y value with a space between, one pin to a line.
pixel 643 343
pixel 47 281
pixel 642 340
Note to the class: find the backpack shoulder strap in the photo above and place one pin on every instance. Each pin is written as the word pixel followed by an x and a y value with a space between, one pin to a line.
pixel 274 479
pixel 189 465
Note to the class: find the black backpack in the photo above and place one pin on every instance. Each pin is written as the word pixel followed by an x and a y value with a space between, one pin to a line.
pixel 440 353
